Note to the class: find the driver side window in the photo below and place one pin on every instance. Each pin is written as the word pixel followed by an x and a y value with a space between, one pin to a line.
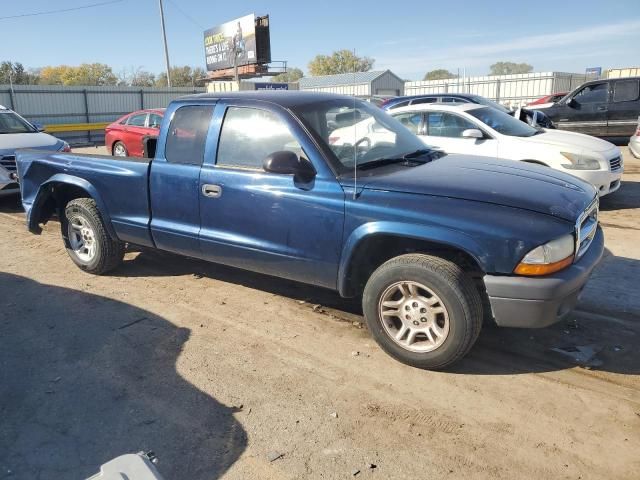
pixel 443 124
pixel 249 135
pixel 596 93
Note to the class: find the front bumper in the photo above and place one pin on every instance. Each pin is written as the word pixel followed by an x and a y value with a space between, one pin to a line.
pixel 604 181
pixel 529 302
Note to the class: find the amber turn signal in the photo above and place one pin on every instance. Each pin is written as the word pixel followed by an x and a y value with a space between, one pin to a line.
pixel 536 270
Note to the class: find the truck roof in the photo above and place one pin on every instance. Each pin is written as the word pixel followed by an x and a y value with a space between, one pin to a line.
pixel 283 98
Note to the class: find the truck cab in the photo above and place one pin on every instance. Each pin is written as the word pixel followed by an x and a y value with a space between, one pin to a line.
pixel 602 108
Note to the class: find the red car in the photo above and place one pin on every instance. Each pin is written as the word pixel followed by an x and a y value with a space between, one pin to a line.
pixel 123 138
pixel 553 98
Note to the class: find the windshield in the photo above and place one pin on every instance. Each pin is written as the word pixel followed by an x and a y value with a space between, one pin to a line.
pixel 357 132
pixel 12 123
pixel 490 103
pixel 502 122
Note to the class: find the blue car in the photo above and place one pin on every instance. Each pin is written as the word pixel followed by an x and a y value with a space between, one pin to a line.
pixel 433 244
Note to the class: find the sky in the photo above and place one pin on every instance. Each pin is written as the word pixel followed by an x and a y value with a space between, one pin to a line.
pixel 409 39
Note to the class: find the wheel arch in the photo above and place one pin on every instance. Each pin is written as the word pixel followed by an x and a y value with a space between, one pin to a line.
pixel 371 245
pixel 54 194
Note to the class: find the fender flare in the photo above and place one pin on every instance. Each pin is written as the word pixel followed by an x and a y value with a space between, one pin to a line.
pixel 432 234
pixel 45 192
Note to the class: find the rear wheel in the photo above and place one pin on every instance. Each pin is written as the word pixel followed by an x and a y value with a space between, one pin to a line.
pixel 423 310
pixel 120 150
pixel 86 239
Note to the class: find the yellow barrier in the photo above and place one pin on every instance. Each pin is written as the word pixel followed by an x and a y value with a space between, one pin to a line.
pixel 74 127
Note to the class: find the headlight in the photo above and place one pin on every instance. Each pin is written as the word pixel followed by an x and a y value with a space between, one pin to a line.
pixel 580 162
pixel 548 258
pixel 65 147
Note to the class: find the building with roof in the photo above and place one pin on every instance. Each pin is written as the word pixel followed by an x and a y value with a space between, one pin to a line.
pixel 361 84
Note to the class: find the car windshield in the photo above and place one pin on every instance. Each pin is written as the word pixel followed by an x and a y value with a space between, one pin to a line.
pixel 502 122
pixel 490 103
pixel 12 123
pixel 358 133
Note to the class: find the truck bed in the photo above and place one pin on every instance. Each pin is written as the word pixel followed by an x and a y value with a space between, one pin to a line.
pixel 119 185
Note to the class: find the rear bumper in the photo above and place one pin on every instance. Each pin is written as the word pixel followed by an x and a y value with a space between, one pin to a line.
pixel 529 302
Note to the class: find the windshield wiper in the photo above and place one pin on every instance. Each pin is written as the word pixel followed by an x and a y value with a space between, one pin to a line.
pixel 405 159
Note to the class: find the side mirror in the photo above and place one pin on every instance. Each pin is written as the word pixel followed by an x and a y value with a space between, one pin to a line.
pixel 570 102
pixel 38 126
pixel 286 162
pixel 472 133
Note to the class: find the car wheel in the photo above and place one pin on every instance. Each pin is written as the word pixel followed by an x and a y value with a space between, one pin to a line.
pixel 423 310
pixel 120 150
pixel 87 240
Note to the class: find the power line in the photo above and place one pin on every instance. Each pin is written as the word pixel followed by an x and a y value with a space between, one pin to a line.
pixel 49 12
pixel 189 17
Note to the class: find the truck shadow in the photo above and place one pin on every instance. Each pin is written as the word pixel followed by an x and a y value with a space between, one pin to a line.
pixel 84 379
pixel 628 197
pixel 499 351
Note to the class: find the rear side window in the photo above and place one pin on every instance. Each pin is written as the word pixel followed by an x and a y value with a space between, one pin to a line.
pixel 188 134
pixel 137 120
pixel 155 120
pixel 626 91
pixel 424 100
pixel 249 135
pixel 454 100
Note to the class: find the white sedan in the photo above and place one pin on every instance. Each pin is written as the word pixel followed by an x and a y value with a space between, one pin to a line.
pixel 483 131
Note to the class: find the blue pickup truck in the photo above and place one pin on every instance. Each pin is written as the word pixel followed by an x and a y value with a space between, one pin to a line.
pixel 432 243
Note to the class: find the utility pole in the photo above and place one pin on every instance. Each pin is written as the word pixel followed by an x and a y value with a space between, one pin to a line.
pixel 164 38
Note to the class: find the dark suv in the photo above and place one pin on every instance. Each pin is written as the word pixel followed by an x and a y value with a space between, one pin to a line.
pixel 604 108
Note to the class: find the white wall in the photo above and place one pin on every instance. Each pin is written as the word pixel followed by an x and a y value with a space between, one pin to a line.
pixel 511 90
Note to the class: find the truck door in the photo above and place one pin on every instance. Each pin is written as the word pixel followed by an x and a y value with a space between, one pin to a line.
pixel 267 222
pixel 624 108
pixel 585 111
pixel 174 179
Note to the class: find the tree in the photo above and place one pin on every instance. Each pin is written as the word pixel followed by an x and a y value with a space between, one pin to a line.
pixel 89 74
pixel 341 61
pixel 290 76
pixel 508 68
pixel 439 74
pixel 182 77
pixel 14 72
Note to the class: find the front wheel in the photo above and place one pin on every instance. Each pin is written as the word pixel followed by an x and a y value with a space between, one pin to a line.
pixel 87 240
pixel 423 310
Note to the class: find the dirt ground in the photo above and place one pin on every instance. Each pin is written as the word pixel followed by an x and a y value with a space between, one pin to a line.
pixel 219 371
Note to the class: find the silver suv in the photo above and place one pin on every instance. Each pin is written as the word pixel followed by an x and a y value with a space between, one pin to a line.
pixel 15 133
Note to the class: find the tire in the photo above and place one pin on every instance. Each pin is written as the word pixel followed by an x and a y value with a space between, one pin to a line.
pixel 440 307
pixel 119 150
pixel 86 239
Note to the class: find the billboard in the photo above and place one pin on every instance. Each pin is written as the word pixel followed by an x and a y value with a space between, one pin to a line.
pixel 235 43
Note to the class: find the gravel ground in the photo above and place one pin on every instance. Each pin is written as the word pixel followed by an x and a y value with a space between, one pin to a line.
pixel 220 371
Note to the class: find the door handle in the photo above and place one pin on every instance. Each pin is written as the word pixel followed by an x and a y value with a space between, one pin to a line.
pixel 211 191
pixel 602 109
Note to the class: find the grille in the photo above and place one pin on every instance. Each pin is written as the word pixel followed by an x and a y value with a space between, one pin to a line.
pixel 615 163
pixel 8 162
pixel 586 228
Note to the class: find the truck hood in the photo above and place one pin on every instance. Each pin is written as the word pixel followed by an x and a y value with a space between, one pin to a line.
pixel 570 140
pixel 9 142
pixel 481 179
